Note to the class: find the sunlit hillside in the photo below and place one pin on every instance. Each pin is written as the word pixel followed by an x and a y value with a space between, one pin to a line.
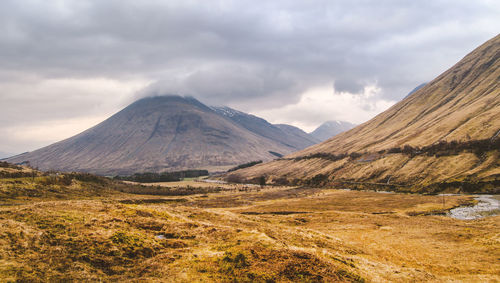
pixel 443 137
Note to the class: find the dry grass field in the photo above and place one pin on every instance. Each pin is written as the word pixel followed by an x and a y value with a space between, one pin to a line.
pixel 88 230
pixel 199 183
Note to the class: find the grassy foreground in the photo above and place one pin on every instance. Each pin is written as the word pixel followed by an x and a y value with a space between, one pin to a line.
pixel 77 229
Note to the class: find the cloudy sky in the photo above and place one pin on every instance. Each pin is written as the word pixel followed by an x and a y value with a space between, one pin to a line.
pixel 67 65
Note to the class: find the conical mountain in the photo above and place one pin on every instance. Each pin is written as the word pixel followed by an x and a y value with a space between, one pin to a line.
pixel 161 133
pixel 448 129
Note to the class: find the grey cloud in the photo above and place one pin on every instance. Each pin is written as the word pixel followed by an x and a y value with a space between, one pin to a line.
pixel 121 37
pixel 238 53
pixel 236 84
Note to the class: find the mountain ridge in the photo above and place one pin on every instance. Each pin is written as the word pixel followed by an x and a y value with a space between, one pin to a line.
pixel 293 136
pixel 458 108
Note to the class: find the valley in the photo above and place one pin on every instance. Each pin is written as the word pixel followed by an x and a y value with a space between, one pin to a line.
pixel 235 141
pixel 83 227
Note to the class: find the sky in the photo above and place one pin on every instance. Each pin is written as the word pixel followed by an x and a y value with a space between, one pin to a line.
pixel 68 65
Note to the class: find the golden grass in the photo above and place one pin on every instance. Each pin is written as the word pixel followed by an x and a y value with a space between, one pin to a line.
pixel 199 184
pixel 414 173
pixel 277 234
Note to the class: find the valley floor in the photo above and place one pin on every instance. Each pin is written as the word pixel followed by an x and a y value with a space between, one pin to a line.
pixel 272 234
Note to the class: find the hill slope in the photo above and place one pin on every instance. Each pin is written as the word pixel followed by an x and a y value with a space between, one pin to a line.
pixel 299 133
pixel 159 134
pixel 330 129
pixel 286 135
pixel 443 136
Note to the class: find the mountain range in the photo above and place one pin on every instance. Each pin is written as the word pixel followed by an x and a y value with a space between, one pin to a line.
pixel 285 134
pixel 445 135
pixel 166 133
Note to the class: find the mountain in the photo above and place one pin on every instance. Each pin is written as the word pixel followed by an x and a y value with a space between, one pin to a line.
pixel 444 136
pixel 5 154
pixel 299 133
pixel 286 135
pixel 331 128
pixel 166 133
pixel 415 89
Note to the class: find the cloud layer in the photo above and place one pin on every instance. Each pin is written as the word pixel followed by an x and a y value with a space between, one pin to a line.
pixel 81 60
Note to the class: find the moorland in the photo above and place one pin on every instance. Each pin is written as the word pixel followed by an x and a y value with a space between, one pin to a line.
pixel 75 226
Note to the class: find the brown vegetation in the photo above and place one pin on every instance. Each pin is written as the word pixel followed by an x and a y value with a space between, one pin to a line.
pixel 82 228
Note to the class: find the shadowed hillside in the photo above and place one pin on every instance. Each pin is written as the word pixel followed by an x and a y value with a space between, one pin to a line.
pixel 287 135
pixel 166 133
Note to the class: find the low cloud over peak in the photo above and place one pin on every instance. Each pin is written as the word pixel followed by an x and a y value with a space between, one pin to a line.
pixel 257 58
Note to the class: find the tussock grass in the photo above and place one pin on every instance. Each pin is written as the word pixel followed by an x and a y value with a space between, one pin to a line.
pixel 275 234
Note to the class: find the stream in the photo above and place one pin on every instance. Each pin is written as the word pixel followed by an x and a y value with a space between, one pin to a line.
pixel 488 205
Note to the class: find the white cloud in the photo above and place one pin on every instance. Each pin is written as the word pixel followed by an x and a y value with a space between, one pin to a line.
pixel 321 104
pixel 38 134
pixel 36 111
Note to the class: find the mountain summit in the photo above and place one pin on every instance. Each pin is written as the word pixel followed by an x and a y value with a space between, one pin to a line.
pixel 331 128
pixel 444 135
pixel 166 133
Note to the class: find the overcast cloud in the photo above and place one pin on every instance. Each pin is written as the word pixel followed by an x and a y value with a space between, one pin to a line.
pixel 67 65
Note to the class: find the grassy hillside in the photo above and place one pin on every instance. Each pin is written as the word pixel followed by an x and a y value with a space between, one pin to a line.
pixel 459 110
pixel 78 227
